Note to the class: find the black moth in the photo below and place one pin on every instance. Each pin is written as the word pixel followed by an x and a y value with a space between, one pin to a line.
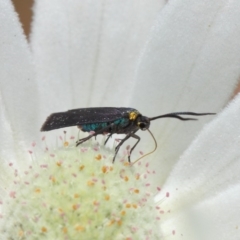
pixel 109 120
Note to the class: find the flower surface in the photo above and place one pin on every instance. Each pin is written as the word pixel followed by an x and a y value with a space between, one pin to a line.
pixel 157 57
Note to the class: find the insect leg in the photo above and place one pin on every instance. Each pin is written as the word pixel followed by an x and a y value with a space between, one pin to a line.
pixel 80 141
pixel 108 138
pixel 138 140
pixel 121 143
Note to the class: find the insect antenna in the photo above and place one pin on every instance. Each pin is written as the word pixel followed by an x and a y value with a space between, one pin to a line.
pixel 177 115
pixel 149 152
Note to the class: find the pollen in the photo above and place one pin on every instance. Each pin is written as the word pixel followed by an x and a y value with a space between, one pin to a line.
pixel 21 233
pixel 136 190
pixel 123 213
pixel 98 157
pixel 90 183
pixel 104 169
pixel 37 190
pixel 60 210
pixel 137 176
pixel 59 164
pixel 44 229
pixel 126 164
pixel 76 195
pixel 81 167
pixel 79 228
pixel 126 178
pixel 119 223
pixel 70 195
pixel 134 205
pixel 107 197
pixel 75 206
pixel 53 179
pixel 111 222
pixel 128 205
pixel 66 144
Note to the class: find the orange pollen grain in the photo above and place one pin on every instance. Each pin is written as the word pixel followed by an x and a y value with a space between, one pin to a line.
pixel 21 233
pixel 137 176
pixel 104 169
pixel 44 229
pixel 76 195
pixel 81 167
pixel 119 223
pixel 128 205
pixel 126 164
pixel 123 213
pixel 64 230
pixel 60 210
pixel 111 222
pixel 98 157
pixel 134 205
pixel 107 197
pixel 136 190
pixel 90 183
pixel 37 190
pixel 79 228
pixel 59 164
pixel 75 206
pixel 53 179
pixel 126 178
pixel 65 144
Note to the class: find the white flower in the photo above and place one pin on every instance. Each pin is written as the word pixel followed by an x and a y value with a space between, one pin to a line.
pixel 181 56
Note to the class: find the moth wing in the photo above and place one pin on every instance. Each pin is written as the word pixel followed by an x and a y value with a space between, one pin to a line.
pixel 81 116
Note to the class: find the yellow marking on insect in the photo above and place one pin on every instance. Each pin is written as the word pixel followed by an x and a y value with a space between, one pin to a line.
pixel 133 115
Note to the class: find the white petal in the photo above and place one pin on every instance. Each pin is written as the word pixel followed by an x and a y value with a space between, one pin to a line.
pixel 191 63
pixel 211 164
pixel 214 218
pixel 86 51
pixel 209 168
pixel 6 136
pixel 18 91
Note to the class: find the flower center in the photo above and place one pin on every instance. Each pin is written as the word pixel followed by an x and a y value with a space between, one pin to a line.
pixel 77 193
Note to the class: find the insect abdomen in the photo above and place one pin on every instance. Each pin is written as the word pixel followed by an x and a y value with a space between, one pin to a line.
pixel 93 127
pixel 117 124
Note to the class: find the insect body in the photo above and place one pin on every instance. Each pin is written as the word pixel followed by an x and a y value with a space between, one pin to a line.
pixel 108 120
